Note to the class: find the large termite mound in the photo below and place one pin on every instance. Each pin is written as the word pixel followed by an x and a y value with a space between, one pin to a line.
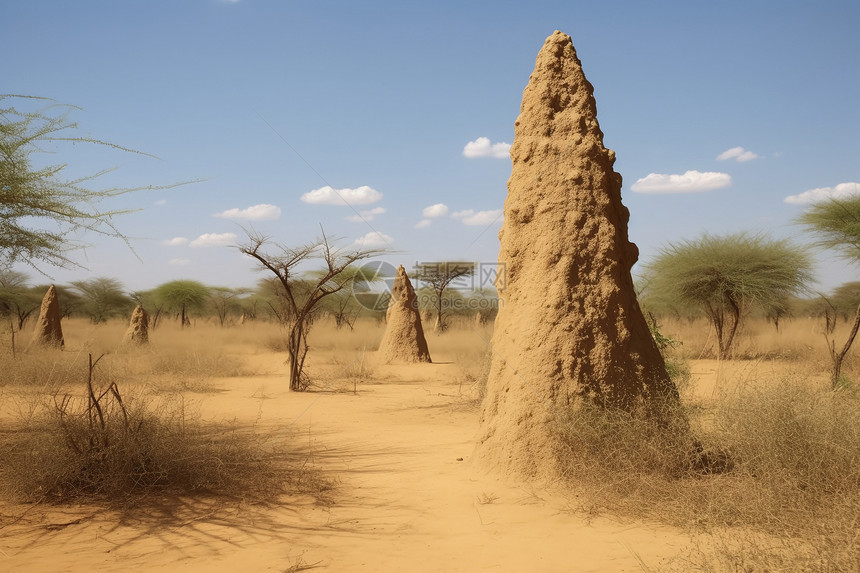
pixel 48 331
pixel 569 327
pixel 138 327
pixel 403 340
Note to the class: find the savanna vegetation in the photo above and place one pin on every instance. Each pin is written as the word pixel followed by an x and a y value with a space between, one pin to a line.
pixel 771 397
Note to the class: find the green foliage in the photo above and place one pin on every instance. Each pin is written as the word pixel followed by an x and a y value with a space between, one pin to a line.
pixel 103 298
pixel 836 223
pixel 845 299
pixel 225 301
pixel 728 276
pixel 182 296
pixel 41 211
pixel 676 367
pixel 17 300
pixel 439 275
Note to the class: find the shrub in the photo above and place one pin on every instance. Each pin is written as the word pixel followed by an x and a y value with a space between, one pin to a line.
pixel 104 446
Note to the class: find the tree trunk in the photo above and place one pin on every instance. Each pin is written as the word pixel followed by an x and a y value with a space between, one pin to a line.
pixel 297 347
pixel 726 351
pixel 440 324
pixel 838 358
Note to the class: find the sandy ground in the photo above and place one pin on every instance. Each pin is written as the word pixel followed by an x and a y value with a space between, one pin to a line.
pixel 408 499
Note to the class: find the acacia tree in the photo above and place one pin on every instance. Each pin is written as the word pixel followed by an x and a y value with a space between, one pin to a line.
pixel 182 297
pixel 224 300
pixel 17 301
pixel 836 224
pixel 301 297
pixel 727 276
pixel 103 297
pixel 343 305
pixel 42 211
pixel 439 275
pixel 151 302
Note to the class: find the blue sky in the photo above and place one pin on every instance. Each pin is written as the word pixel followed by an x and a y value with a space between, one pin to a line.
pixel 409 105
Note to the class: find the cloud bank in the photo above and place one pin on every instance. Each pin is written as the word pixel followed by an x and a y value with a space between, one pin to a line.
pixel 327 195
pixel 214 240
pixel 739 154
pixel 479 218
pixel 482 147
pixel 689 182
pixel 366 216
pixel 841 191
pixel 373 240
pixel 175 242
pixel 437 210
pixel 261 212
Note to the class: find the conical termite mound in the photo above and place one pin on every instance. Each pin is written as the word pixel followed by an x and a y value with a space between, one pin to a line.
pixel 569 327
pixel 404 339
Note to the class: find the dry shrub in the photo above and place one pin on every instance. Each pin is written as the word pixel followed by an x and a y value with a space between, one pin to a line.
pixel 42 369
pixel 137 447
pixel 325 336
pixel 347 374
pixel 794 474
pixel 185 367
pixel 474 364
pixel 177 369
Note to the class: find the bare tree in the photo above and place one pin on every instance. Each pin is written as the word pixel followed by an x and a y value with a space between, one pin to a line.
pixel 836 224
pixel 283 262
pixel 17 300
pixel 225 299
pixel 440 275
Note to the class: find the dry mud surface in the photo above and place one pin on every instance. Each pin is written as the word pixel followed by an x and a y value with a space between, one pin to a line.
pixel 404 501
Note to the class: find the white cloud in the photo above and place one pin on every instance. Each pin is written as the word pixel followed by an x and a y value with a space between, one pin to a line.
pixel 437 210
pixel 366 216
pixel 739 154
pixel 175 242
pixel 261 212
pixel 479 218
pixel 689 182
pixel 363 195
pixel 179 262
pixel 214 240
pixel 482 147
pixel 841 191
pixel 374 239
pixel 423 223
pixel 161 202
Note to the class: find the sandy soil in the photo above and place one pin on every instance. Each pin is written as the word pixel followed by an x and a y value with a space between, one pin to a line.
pixel 408 499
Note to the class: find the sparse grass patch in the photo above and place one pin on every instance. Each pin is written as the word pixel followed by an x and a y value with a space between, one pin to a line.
pixel 40 369
pixel 794 475
pixel 347 374
pixel 139 446
pixel 474 367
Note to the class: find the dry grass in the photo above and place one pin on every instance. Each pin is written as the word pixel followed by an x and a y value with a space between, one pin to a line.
pixel 175 359
pixel 348 373
pixel 798 339
pixel 790 502
pixel 795 475
pixel 474 364
pixel 139 447
pixel 131 445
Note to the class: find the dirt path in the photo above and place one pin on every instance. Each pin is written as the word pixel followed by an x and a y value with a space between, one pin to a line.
pixel 408 499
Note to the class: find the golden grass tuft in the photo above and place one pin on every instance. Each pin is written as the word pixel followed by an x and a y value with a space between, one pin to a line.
pixel 142 438
pixel 139 446
pixel 794 474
